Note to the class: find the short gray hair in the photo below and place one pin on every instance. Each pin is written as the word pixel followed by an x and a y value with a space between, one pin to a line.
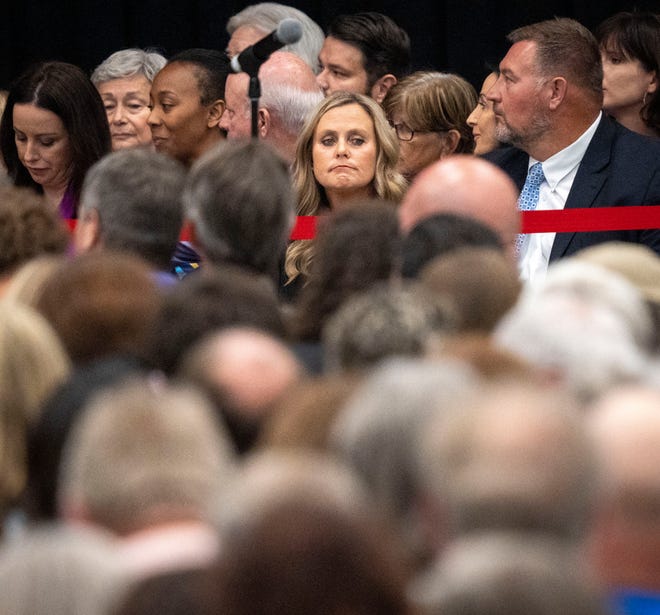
pixel 291 104
pixel 128 63
pixel 266 16
pixel 240 198
pixel 137 194
pixel 145 446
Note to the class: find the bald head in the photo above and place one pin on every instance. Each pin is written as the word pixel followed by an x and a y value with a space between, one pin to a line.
pixel 288 92
pixel 286 67
pixel 465 185
pixel 252 368
pixel 624 544
pixel 625 425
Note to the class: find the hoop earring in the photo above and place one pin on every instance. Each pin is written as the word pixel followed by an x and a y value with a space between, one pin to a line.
pixel 644 99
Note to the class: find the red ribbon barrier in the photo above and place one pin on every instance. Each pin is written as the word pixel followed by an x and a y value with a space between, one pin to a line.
pixel 305 228
pixel 626 218
pixel 557 221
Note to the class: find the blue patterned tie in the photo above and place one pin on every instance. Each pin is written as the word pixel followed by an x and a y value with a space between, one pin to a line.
pixel 529 197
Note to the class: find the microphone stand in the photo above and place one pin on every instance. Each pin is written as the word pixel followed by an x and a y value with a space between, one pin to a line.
pixel 254 93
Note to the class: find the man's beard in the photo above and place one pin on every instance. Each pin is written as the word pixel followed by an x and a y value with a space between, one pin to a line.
pixel 522 138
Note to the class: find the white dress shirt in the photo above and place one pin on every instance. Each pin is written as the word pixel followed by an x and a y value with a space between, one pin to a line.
pixel 559 171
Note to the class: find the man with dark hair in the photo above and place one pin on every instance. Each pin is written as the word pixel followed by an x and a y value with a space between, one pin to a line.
pixel 547 101
pixel 366 53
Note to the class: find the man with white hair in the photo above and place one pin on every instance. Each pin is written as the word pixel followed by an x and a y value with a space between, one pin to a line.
pixel 256 21
pixel 288 93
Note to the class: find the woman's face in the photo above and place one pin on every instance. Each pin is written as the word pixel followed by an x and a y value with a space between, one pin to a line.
pixel 126 102
pixel 419 152
pixel 625 82
pixel 344 150
pixel 482 119
pixel 178 120
pixel 43 146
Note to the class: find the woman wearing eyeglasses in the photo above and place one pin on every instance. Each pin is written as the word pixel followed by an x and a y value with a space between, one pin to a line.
pixel 429 111
pixel 124 82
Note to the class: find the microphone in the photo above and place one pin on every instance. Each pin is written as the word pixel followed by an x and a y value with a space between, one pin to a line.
pixel 250 59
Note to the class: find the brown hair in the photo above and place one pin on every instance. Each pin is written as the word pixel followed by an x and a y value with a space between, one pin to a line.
pixel 566 46
pixel 435 101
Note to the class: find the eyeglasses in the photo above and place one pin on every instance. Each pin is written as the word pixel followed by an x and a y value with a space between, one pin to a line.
pixel 405 133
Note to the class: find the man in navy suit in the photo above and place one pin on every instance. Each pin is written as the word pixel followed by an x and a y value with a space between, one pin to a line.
pixel 547 101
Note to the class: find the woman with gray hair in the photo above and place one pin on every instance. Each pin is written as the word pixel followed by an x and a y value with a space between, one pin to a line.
pixel 124 83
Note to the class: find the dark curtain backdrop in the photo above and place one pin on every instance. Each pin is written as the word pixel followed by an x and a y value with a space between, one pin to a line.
pixel 450 35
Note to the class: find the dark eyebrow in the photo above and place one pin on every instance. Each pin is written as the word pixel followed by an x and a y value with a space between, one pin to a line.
pixel 335 67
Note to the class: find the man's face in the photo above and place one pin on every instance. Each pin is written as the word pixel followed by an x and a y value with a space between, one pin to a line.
pixel 521 115
pixel 236 119
pixel 342 68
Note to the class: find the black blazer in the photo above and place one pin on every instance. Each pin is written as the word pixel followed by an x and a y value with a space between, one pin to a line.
pixel 619 168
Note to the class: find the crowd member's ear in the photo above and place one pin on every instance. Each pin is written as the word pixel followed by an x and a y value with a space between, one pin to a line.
pixel 263 123
pixel 558 93
pixel 216 109
pixel 380 89
pixel 451 141
pixel 88 232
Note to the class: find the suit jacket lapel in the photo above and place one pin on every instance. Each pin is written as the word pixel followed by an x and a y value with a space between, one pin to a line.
pixel 589 180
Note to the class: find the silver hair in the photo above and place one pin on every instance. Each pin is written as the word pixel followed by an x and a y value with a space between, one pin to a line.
pixel 137 194
pixel 128 63
pixel 266 16
pixel 291 104
pixel 584 323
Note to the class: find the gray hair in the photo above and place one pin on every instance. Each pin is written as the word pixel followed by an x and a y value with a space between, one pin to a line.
pixel 513 457
pixel 59 570
pixel 508 574
pixel 128 63
pixel 377 431
pixel 137 195
pixel 382 322
pixel 144 448
pixel 291 104
pixel 599 331
pixel 266 16
pixel 240 198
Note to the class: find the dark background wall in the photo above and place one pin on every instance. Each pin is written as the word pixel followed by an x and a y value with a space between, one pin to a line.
pixel 450 35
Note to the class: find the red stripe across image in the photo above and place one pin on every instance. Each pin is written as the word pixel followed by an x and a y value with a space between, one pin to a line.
pixel 559 221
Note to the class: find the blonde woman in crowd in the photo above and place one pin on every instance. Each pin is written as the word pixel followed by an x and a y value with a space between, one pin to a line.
pixel 346 151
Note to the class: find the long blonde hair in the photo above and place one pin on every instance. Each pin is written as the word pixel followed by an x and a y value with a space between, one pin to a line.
pixel 388 183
